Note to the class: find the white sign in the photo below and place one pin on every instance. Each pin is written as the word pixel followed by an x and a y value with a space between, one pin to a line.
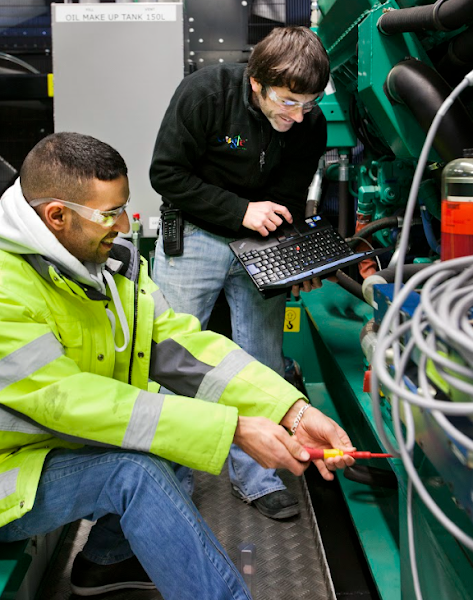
pixel 115 13
pixel 154 222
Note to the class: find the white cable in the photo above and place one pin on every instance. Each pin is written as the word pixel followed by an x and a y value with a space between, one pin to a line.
pixel 419 172
pixel 452 431
pixel 120 312
pixel 370 246
pixel 411 543
pixel 417 483
pixel 387 340
pixel 423 493
pixel 438 337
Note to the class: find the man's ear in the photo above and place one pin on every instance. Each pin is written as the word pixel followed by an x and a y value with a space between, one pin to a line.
pixel 255 86
pixel 54 216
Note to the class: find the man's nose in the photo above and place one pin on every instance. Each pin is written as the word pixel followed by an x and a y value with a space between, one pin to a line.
pixel 122 224
pixel 298 114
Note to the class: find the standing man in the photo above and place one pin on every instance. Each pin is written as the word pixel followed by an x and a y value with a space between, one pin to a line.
pixel 82 331
pixel 236 152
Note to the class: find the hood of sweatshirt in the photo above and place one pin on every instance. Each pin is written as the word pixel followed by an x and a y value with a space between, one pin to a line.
pixel 23 232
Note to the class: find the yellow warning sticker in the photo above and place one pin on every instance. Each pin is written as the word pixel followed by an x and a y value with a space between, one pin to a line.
pixel 292 320
pixel 50 82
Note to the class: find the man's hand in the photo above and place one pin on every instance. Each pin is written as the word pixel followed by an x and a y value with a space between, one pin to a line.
pixel 306 286
pixel 263 217
pixel 270 445
pixel 316 430
pixel 273 448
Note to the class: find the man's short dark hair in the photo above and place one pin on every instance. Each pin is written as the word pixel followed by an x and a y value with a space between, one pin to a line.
pixel 292 57
pixel 62 165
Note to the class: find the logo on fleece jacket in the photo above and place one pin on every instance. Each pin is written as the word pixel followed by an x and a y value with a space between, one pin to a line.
pixel 235 143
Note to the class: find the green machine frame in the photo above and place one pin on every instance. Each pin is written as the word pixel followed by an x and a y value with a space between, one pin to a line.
pixel 323 328
pixel 323 336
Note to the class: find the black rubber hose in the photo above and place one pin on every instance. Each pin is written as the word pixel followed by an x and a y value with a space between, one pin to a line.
pixel 373 476
pixel 349 284
pixel 423 90
pixel 461 47
pixel 441 16
pixel 459 56
pixel 355 288
pixel 407 272
pixel 371 228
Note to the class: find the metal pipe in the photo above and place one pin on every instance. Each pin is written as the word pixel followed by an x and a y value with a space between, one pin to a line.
pixel 315 190
pixel 345 202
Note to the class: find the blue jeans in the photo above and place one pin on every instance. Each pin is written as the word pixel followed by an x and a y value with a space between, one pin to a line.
pixel 192 283
pixel 140 509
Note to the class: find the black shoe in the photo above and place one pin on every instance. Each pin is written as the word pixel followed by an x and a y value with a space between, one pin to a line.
pixel 91 579
pixel 293 374
pixel 276 505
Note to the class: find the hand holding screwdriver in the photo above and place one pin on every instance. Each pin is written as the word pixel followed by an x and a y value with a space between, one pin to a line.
pixel 316 453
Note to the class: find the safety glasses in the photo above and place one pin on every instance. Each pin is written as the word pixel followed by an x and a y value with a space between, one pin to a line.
pixel 106 218
pixel 292 104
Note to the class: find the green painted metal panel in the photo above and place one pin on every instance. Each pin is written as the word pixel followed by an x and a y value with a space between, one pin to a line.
pixel 338 18
pixel 339 317
pixel 335 320
pixel 444 566
pixel 298 342
pixel 14 564
pixel 336 110
pixel 367 506
pixel 7 568
pixel 377 55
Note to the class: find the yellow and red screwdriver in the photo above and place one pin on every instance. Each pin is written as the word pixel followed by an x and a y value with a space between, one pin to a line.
pixel 333 452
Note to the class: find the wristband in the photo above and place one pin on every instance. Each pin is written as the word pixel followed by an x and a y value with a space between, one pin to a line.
pixel 297 420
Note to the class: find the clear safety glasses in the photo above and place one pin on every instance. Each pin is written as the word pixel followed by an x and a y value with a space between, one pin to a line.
pixel 292 104
pixel 106 218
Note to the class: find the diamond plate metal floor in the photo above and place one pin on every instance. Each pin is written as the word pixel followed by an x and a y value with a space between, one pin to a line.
pixel 290 560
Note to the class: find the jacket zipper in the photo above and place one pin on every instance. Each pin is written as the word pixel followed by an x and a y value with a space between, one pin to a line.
pixel 262 160
pixel 135 319
pixel 264 147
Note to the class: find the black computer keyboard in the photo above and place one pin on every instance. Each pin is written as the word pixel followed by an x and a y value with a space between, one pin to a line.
pixel 291 258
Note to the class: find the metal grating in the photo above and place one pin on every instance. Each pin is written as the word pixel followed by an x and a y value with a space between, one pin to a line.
pixel 290 559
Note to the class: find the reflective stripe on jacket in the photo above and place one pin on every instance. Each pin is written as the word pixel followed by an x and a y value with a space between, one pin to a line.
pixel 62 384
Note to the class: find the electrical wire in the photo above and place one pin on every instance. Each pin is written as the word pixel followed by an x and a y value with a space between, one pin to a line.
pixel 439 337
pixel 370 246
pixel 19 62
pixel 411 542
pixel 405 448
pixel 412 199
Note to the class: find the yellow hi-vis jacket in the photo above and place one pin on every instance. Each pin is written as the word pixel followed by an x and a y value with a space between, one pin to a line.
pixel 62 384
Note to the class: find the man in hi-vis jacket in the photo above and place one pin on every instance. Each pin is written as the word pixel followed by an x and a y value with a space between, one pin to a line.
pixel 83 330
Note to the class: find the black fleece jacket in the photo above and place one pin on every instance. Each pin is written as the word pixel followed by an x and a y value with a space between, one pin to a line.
pixel 215 152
